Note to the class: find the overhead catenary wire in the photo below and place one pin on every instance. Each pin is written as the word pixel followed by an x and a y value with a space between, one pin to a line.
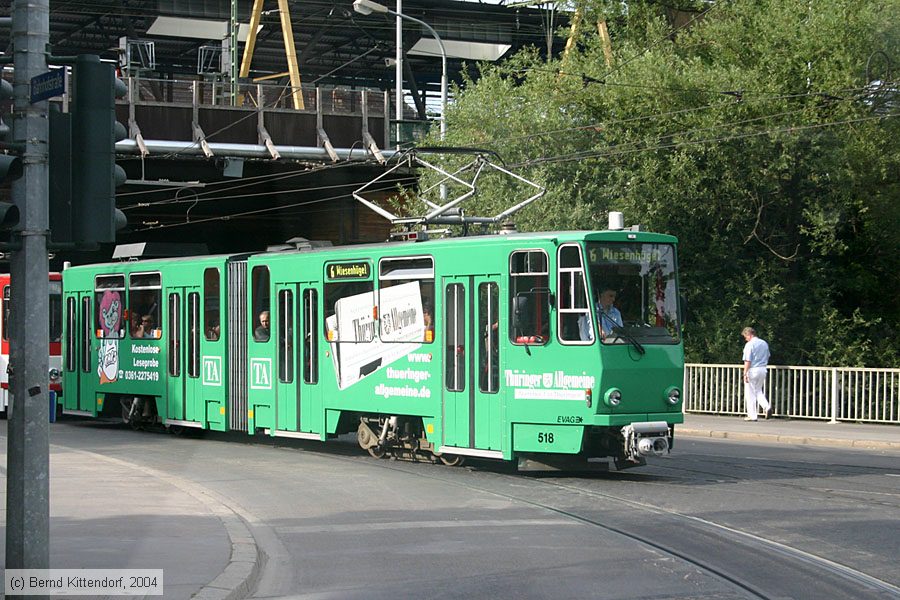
pixel 651 116
pixel 249 212
pixel 614 151
pixel 353 184
pixel 698 129
pixel 215 187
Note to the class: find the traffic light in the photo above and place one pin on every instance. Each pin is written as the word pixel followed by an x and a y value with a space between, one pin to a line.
pixel 10 167
pixel 10 170
pixel 83 170
pixel 6 93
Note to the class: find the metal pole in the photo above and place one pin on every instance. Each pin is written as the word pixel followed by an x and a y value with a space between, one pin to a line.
pixel 443 189
pixel 443 66
pixel 398 87
pixel 27 481
pixel 232 52
pixel 834 396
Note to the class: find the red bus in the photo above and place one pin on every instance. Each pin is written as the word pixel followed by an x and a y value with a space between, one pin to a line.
pixel 55 337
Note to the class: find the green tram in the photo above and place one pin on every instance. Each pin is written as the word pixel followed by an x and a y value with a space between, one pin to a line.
pixel 500 346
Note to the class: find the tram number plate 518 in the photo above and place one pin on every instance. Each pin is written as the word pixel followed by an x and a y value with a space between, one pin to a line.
pixel 545 438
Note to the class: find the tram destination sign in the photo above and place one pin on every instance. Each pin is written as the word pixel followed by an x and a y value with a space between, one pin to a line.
pixel 350 270
pixel 47 85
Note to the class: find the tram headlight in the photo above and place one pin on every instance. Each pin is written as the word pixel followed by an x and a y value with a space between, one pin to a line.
pixel 673 395
pixel 612 397
pixel 54 374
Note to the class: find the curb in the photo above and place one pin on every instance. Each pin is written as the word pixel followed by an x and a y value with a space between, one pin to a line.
pixel 238 579
pixel 789 439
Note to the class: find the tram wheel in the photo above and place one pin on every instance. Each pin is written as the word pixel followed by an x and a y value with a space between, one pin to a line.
pixel 376 451
pixel 364 436
pixel 452 460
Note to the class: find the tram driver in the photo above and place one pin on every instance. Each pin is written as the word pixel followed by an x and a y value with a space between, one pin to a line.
pixel 607 314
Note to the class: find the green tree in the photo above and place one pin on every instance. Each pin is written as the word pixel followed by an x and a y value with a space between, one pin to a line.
pixel 751 132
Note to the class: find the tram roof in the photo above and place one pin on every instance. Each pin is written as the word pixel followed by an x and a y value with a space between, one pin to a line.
pixel 513 239
pixel 420 247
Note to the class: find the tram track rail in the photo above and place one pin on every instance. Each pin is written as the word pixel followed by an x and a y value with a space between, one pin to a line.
pixel 641 521
pixel 814 564
pixel 854 496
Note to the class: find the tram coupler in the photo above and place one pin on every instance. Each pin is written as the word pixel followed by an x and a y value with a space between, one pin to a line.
pixel 649 438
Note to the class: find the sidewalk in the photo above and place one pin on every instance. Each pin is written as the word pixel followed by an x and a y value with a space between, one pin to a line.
pixel 791 431
pixel 106 513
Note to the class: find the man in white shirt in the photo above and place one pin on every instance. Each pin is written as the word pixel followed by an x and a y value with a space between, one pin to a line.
pixel 756 358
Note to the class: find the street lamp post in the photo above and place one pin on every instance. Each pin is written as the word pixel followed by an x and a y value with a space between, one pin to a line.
pixel 366 7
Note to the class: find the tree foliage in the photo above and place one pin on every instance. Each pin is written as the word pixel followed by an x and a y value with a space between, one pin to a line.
pixel 751 133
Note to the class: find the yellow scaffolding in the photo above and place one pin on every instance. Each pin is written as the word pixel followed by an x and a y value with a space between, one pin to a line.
pixel 290 50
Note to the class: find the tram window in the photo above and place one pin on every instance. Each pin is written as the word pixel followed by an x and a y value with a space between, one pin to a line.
pixel 489 349
pixel 174 335
pixel 310 341
pixel 261 322
pixel 455 334
pixel 638 283
pixel 407 312
pixel 109 306
pixel 193 360
pixel 71 331
pixel 574 325
pixel 529 295
pixel 86 334
pixel 144 297
pixel 55 311
pixel 285 336
pixel 211 306
pixel 6 312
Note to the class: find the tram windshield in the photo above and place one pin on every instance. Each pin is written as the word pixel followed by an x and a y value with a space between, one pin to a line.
pixel 635 292
pixel 55 307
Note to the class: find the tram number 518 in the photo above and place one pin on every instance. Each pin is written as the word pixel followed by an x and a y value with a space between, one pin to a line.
pixel 545 438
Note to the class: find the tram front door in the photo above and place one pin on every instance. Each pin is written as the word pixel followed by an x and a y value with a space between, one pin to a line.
pixel 471 332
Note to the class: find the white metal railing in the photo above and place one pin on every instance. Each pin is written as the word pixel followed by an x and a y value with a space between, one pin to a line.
pixel 830 393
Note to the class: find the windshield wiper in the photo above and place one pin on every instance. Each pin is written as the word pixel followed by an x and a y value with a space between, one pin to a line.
pixel 620 332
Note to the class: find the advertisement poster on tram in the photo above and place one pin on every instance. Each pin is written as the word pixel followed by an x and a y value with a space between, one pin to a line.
pixel 361 345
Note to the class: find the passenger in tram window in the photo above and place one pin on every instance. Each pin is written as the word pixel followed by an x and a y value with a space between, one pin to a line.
pixel 427 316
pixel 261 333
pixel 147 327
pixel 213 331
pixel 136 330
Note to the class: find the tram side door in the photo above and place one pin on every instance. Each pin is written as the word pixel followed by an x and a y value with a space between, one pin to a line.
pixel 81 377
pixel 184 400
pixel 287 391
pixel 296 320
pixel 471 331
